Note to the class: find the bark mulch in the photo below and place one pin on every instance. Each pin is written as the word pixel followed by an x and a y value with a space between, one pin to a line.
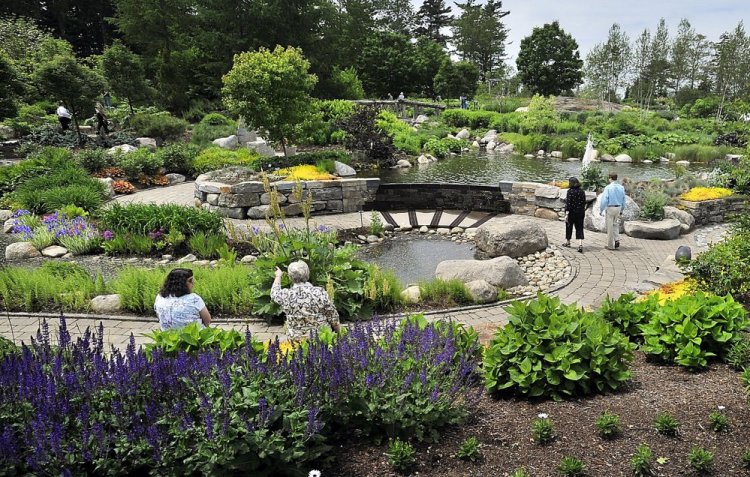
pixel 503 426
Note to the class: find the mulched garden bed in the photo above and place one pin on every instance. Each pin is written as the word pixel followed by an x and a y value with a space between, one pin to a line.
pixel 503 426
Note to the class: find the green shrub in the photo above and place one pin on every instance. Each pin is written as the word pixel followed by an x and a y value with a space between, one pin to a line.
pixel 178 157
pixel 628 313
pixel 746 459
pixel 40 163
pixel 128 244
pixel 442 147
pixel 571 467
pixel 469 450
pixel 700 153
pixel 66 185
pixel 7 347
pixel 541 116
pixel 135 163
pixel 553 350
pixel 401 455
pixel 45 289
pixel 646 153
pixel 718 421
pixel 206 246
pixel 642 461
pixel 158 125
pixel 738 356
pixel 608 425
pixel 653 205
pixel 723 269
pixel 690 329
pixel 667 425
pixel 592 178
pixel 214 158
pixel 213 126
pixel 194 337
pixel 701 460
pixel 459 118
pixel 94 159
pixel 542 430
pixel 444 293
pixel 144 218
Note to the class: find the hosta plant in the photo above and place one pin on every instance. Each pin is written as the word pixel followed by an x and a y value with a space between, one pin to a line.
pixel 628 314
pixel 194 337
pixel 548 349
pixel 689 330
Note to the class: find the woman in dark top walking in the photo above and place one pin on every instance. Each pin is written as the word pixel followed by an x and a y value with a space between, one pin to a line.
pixel 575 209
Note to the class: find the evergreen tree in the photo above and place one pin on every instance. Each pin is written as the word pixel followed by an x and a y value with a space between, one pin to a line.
pixel 124 72
pixel 549 62
pixel 479 34
pixel 11 89
pixel 433 17
pixel 731 65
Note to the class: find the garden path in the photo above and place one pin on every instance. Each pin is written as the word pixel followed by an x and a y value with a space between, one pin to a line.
pixel 597 273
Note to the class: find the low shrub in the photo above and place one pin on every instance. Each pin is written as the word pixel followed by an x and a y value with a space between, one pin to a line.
pixel 444 293
pixel 304 173
pixel 642 461
pixel 552 350
pixel 592 178
pixel 157 125
pixel 94 160
pixel 723 269
pixel 689 330
pixel 470 450
pixel 443 147
pixel 194 337
pixel 145 218
pixel 701 460
pixel 178 157
pixel 667 425
pixel 66 185
pixel 653 205
pixel 140 162
pixel 213 126
pixel 206 246
pixel 401 455
pixel 40 163
pixel 127 244
pixel 214 158
pixel 738 356
pixel 700 153
pixel 459 118
pixel 312 158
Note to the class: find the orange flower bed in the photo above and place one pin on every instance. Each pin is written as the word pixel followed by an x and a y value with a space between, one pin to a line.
pixel 110 172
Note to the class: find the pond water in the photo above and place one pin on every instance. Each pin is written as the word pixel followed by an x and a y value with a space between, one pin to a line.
pixel 483 168
pixel 413 260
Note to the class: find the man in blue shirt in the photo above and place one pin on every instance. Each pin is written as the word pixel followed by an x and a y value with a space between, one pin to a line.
pixel 613 201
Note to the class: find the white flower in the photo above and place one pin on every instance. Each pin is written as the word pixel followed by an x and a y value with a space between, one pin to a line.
pixel 543 416
pixel 314 473
pixel 721 408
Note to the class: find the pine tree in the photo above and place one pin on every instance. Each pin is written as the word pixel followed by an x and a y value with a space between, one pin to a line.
pixel 433 16
pixel 479 34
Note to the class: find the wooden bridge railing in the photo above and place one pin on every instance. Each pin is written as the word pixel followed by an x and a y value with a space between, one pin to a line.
pixel 399 105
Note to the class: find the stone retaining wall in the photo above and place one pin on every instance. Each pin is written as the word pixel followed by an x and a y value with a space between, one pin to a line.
pixel 487 198
pixel 538 200
pixel 715 211
pixel 248 200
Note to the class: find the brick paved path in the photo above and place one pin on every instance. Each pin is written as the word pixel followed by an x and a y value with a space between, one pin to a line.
pixel 598 273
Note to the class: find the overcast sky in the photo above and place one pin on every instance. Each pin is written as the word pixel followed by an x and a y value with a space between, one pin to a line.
pixel 589 20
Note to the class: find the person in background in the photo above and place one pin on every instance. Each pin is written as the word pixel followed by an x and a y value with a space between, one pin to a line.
pixel 390 97
pixel 613 201
pixel 401 96
pixel 107 100
pixel 63 115
pixel 575 210
pixel 101 119
pixel 176 305
pixel 307 307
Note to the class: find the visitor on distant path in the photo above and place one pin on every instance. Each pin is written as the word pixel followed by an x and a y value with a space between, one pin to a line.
pixel 176 305
pixel 613 201
pixel 307 307
pixel 107 99
pixel 101 119
pixel 575 209
pixel 401 96
pixel 390 97
pixel 63 115
pixel 463 100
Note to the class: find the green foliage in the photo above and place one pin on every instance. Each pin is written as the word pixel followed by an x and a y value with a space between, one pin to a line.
pixel 724 268
pixel 401 455
pixel 364 135
pixel 382 288
pixel 548 62
pixel 553 350
pixel 746 459
pixel 213 126
pixel 571 467
pixel 542 430
pixel 93 159
pixel 470 449
pixel 214 158
pixel 376 224
pixel 12 88
pixel 347 84
pixel 194 337
pixel 608 425
pixel 270 90
pixel 541 116
pixel 718 421
pixel 321 126
pixel 642 461
pixel 141 161
pixel 456 79
pixel 178 157
pixel 144 218
pixel 628 313
pixel 701 460
pixel 459 118
pixel 700 153
pixel 158 125
pixel 667 425
pixel 653 205
pixel 521 472
pixel 441 148
pixel 738 356
pixel 690 329
pixel 479 35
pixel 125 73
pixel 128 244
pixel 30 117
pixel 206 246
pixel 444 293
pixel 45 289
pixel 592 178
pixel 7 347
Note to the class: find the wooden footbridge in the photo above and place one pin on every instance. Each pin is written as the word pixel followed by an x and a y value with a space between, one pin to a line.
pixel 400 106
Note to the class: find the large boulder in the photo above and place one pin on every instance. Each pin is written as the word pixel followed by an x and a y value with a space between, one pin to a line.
pixel 463 134
pixel 21 251
pixel 108 186
pixel 667 229
pixel 148 142
pixel 5 214
pixel 344 170
pixel 412 295
pixel 106 304
pixel 230 142
pixel 501 272
pixel 623 158
pixel 421 119
pixel 505 149
pixel 482 292
pixel 175 178
pixel 512 238
pixel 121 149
pixel 597 223
pixel 403 163
pixel 607 158
pixel 687 221
pixel 490 136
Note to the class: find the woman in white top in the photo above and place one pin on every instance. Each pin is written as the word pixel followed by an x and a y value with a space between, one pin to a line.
pixel 176 305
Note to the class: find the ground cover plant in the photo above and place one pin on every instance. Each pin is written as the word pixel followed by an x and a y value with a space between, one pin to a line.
pixel 211 412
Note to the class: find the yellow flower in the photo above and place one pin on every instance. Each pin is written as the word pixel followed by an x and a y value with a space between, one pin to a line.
pixel 304 173
pixel 673 291
pixel 560 184
pixel 699 194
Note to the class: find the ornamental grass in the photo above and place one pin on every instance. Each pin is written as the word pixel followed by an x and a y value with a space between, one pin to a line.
pixel 700 194
pixel 69 408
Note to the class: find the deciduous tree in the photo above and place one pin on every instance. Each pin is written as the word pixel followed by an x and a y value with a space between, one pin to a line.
pixel 607 64
pixel 549 62
pixel 124 72
pixel 457 79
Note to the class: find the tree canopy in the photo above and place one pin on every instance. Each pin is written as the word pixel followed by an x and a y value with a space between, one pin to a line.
pixel 549 62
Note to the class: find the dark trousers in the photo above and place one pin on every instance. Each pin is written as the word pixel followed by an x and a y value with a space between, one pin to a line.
pixel 64 122
pixel 575 219
pixel 101 123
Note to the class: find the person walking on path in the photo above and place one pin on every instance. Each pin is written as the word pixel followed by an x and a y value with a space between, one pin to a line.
pixel 575 210
pixel 101 119
pixel 64 116
pixel 176 305
pixel 307 307
pixel 107 99
pixel 613 201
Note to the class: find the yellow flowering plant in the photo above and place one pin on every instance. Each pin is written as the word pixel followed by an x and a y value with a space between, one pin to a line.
pixel 305 172
pixel 674 290
pixel 700 194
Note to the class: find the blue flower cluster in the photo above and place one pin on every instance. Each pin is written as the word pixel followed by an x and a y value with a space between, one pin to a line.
pixel 57 223
pixel 73 409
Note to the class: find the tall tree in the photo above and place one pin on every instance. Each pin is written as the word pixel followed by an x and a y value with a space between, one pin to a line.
pixel 607 64
pixel 658 70
pixel 124 72
pixel 398 16
pixel 11 89
pixel 680 54
pixel 699 56
pixel 456 79
pixel 479 34
pixel 270 90
pixel 731 65
pixel 433 17
pixel 549 62
pixel 641 60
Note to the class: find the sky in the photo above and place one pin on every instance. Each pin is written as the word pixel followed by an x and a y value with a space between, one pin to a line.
pixel 589 20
